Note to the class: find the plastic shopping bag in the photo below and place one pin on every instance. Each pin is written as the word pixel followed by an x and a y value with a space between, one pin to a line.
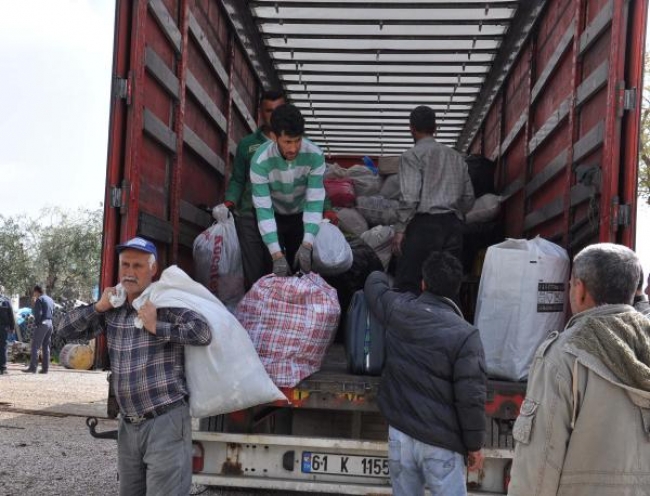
pixel 227 375
pixel 332 254
pixel 340 191
pixel 218 262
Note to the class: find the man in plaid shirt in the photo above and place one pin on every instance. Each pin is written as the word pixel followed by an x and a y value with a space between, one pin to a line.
pixel 147 365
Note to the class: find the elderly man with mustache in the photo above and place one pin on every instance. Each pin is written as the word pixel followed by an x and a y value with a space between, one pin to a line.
pixel 147 365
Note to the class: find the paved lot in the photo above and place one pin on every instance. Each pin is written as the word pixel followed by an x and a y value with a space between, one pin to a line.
pixel 45 447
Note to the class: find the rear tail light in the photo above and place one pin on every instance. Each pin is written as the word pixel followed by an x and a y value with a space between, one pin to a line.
pixel 197 457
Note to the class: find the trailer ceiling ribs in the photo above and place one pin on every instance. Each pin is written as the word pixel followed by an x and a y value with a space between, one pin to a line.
pixel 351 63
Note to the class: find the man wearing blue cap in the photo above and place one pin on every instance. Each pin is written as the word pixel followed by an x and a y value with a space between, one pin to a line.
pixel 154 437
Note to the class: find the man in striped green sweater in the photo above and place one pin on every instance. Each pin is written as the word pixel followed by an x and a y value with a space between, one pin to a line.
pixel 288 193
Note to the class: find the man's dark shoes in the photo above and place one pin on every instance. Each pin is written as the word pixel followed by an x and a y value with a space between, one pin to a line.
pixel 42 371
pixel 28 371
pixel 3 372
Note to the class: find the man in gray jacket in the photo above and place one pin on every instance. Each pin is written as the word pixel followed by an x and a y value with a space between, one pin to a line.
pixel 584 427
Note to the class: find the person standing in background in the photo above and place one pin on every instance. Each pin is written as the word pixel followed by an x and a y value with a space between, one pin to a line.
pixel 43 310
pixel 7 324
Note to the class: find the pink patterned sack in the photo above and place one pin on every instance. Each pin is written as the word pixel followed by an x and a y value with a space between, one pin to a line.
pixel 291 321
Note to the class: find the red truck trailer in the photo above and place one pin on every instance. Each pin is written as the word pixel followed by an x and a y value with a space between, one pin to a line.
pixel 549 89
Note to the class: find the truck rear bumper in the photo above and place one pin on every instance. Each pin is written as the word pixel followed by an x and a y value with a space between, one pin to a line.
pixel 295 463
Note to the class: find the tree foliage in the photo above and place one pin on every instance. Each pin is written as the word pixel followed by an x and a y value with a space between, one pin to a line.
pixel 644 148
pixel 60 250
pixel 16 260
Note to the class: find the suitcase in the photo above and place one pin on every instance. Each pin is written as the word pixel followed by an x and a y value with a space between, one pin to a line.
pixel 364 338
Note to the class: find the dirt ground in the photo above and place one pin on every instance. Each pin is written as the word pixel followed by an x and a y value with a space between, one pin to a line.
pixel 45 447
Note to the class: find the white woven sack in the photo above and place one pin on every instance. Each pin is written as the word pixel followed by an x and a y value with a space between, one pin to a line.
pixel 366 182
pixel 390 189
pixel 351 221
pixel 227 375
pixel 377 210
pixel 380 239
pixel 485 209
pixel 332 254
pixel 217 259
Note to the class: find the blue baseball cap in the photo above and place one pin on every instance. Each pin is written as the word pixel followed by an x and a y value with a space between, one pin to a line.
pixel 139 244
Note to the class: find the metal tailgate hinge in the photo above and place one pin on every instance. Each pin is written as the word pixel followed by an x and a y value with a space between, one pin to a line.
pixel 629 99
pixel 118 196
pixel 122 89
pixel 621 213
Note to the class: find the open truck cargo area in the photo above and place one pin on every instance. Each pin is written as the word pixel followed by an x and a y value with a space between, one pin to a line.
pixel 549 89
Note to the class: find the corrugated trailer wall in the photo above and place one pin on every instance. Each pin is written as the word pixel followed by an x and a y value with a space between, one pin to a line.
pixel 183 95
pixel 556 125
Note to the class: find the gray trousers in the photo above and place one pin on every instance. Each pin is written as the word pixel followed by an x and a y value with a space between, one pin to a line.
pixel 154 457
pixel 41 339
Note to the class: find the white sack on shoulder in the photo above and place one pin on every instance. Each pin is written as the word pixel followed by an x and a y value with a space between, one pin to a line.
pixel 332 252
pixel 227 375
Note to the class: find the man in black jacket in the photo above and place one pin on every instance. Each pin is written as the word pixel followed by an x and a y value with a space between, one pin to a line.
pixel 433 386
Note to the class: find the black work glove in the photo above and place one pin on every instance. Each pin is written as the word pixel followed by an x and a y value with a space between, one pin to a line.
pixel 303 259
pixel 281 267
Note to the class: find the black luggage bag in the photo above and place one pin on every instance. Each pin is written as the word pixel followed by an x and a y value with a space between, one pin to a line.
pixel 364 338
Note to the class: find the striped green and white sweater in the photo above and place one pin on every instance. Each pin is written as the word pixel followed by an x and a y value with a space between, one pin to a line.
pixel 287 188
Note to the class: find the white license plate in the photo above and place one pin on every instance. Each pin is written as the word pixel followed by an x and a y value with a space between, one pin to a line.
pixel 328 463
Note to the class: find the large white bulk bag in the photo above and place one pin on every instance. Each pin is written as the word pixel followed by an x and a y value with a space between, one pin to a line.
pixel 521 299
pixel 227 375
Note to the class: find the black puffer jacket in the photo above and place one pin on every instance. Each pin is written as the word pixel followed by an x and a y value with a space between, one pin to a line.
pixel 433 385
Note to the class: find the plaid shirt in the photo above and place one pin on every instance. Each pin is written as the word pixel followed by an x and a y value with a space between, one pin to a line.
pixel 148 371
pixel 433 179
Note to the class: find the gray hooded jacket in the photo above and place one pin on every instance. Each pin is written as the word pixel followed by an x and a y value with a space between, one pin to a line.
pixel 584 427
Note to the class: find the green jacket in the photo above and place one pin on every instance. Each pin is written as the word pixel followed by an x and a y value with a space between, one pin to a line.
pixel 239 188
